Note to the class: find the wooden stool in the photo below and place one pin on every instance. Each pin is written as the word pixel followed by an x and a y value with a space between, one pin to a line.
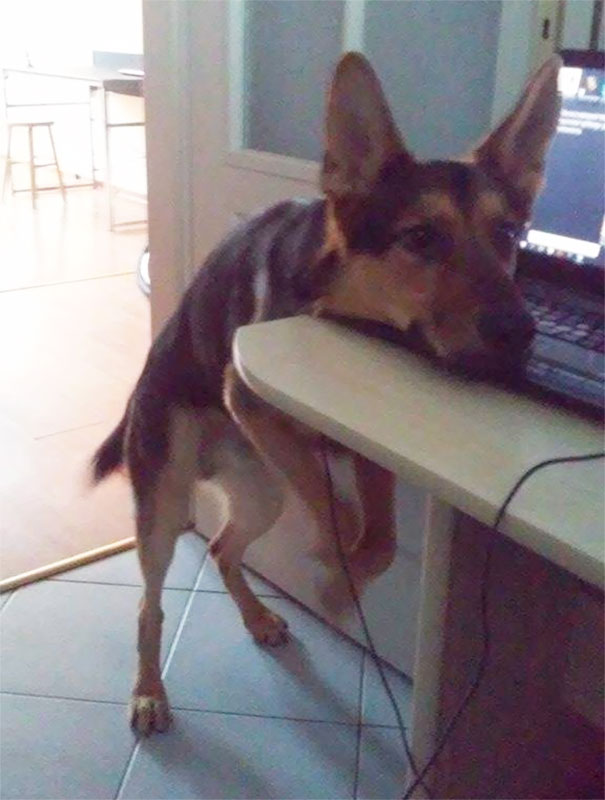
pixel 8 171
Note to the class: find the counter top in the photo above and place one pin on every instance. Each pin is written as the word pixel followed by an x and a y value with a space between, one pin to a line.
pixel 90 74
pixel 466 442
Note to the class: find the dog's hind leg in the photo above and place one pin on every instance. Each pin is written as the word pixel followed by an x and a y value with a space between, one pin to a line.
pixel 162 478
pixel 376 549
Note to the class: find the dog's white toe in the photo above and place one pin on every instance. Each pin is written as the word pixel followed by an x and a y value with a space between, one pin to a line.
pixel 149 714
pixel 269 628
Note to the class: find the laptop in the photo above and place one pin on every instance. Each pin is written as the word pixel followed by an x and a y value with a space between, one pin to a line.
pixel 561 263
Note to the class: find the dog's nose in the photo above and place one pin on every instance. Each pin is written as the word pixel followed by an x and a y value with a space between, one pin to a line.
pixel 507 328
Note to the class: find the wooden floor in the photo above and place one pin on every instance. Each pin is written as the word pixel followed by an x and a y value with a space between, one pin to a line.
pixel 74 331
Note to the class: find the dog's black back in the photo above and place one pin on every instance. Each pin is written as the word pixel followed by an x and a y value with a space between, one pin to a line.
pixel 259 272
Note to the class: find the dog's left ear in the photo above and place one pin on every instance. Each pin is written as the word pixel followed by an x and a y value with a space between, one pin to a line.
pixel 516 150
pixel 360 132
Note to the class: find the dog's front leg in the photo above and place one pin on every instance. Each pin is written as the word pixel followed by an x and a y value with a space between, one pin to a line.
pixel 162 488
pixel 149 708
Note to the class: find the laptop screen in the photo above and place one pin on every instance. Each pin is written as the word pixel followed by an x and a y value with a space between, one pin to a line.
pixel 569 215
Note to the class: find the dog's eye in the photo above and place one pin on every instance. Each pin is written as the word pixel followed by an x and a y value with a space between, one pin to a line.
pixel 508 231
pixel 418 237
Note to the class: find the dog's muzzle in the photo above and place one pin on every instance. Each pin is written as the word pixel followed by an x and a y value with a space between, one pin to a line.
pixel 507 334
pixel 507 330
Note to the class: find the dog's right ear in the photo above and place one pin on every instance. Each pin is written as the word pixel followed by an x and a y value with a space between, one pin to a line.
pixel 360 132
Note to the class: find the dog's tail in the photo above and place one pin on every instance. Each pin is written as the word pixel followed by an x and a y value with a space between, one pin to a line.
pixel 110 455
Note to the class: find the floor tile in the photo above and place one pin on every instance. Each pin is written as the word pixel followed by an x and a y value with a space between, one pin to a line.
pixel 211 581
pixel 76 640
pixel 382 771
pixel 218 667
pixel 231 756
pixel 124 568
pixel 376 706
pixel 61 748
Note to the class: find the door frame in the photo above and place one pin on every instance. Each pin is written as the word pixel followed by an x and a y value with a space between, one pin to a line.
pixel 167 48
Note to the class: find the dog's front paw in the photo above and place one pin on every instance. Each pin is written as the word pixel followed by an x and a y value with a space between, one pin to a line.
pixel 149 714
pixel 268 628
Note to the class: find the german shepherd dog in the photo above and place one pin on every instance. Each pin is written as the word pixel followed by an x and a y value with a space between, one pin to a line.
pixel 393 241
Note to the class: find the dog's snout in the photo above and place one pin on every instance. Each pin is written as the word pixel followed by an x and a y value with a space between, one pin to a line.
pixel 509 327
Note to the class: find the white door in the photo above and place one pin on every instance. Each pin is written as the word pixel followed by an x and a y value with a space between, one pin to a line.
pixel 234 94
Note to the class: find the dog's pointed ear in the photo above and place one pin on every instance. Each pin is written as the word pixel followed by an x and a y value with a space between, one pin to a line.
pixel 516 150
pixel 360 132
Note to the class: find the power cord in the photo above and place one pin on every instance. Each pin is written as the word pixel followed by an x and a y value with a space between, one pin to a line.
pixel 364 624
pixel 420 775
pixel 486 637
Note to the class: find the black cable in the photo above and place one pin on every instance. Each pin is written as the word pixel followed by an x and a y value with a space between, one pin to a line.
pixel 418 780
pixel 366 630
pixel 419 776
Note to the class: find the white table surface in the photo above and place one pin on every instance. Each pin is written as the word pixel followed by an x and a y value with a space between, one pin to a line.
pixel 466 442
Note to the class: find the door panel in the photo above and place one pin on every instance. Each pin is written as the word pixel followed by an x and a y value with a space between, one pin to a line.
pixel 289 51
pixel 441 95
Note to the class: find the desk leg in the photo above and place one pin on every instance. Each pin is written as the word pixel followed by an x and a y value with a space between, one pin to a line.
pixel 429 643
pixel 521 736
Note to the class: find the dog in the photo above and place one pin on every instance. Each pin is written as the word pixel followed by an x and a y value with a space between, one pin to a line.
pixel 425 246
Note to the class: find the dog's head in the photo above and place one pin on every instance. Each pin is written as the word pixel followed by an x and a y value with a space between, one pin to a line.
pixel 431 246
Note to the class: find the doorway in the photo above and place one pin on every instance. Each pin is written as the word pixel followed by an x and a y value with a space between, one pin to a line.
pixel 74 323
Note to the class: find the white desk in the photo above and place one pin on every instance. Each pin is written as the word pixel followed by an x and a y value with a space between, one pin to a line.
pixel 467 443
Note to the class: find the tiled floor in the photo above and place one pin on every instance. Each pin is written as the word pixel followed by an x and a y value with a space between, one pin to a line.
pixel 309 720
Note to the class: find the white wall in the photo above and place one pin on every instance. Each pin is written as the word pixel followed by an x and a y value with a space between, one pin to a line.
pixel 55 31
pixel 117 25
pixel 67 31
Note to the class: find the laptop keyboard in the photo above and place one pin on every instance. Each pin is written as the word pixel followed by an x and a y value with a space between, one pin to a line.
pixel 555 316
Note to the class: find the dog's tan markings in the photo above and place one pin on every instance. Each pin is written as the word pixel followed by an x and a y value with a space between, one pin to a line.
pixel 490 205
pixel 396 287
pixel 452 324
pixel 489 210
pixel 438 206
pixel 335 240
pixel 390 289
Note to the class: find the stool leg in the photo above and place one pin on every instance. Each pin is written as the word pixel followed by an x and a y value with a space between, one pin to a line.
pixel 92 95
pixel 32 167
pixel 8 166
pixel 108 177
pixel 52 144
